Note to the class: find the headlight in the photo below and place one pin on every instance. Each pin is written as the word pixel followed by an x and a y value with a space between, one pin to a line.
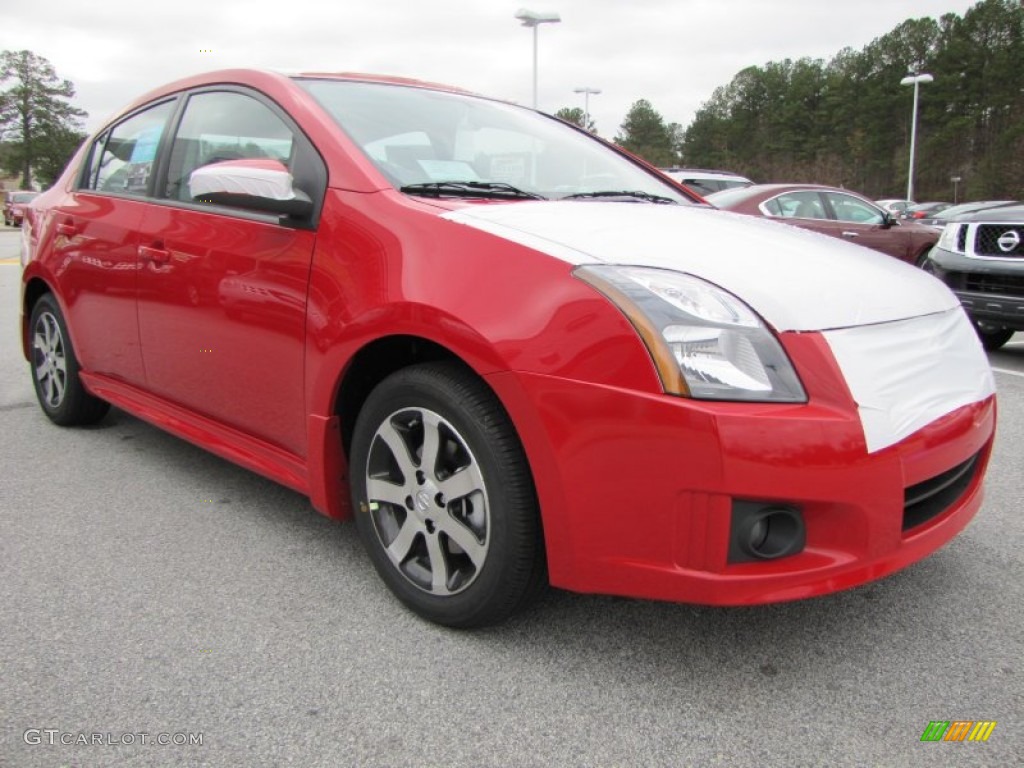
pixel 705 342
pixel 950 239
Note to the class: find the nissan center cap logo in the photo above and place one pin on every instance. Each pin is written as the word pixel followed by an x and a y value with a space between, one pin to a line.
pixel 1008 241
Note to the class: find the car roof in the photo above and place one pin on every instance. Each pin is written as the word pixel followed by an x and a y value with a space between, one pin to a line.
pixel 271 81
pixel 757 190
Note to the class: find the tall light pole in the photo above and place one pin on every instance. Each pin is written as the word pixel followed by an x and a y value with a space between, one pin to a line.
pixel 534 20
pixel 586 91
pixel 914 80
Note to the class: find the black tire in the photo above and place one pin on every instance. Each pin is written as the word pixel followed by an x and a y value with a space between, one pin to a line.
pixel 992 336
pixel 478 490
pixel 59 389
pixel 923 262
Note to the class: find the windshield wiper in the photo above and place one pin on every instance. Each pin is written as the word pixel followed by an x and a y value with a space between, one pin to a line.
pixel 628 194
pixel 490 189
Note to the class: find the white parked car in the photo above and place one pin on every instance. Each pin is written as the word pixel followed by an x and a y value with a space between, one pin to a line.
pixel 705 182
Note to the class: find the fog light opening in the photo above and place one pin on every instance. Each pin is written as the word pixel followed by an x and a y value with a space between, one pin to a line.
pixel 771 533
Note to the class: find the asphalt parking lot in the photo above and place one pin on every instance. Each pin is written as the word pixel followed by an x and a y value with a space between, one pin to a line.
pixel 150 591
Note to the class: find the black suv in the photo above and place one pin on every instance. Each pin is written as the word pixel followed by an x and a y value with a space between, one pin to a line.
pixel 981 257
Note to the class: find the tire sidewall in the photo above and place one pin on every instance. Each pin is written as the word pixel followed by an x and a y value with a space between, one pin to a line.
pixel 67 412
pixel 408 389
pixel 992 337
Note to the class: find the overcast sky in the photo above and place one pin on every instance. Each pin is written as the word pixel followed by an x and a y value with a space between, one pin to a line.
pixel 673 53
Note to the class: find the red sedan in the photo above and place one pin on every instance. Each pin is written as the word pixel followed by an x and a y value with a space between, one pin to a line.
pixel 835 212
pixel 511 352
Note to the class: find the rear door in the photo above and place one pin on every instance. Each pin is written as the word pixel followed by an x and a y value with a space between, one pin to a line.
pixel 222 290
pixel 96 243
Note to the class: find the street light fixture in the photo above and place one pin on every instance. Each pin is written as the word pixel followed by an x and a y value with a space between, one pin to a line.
pixel 914 80
pixel 587 92
pixel 534 20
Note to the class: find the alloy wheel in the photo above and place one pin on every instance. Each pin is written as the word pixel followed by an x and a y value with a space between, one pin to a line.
pixel 428 501
pixel 49 359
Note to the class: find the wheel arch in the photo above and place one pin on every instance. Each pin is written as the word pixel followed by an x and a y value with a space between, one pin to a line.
pixel 375 361
pixel 331 422
pixel 385 355
pixel 34 289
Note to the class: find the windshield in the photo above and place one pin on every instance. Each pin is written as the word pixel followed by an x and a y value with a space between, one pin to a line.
pixel 25 197
pixel 433 142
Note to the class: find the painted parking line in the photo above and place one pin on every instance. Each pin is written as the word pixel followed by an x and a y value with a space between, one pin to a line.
pixel 13 260
pixel 1009 372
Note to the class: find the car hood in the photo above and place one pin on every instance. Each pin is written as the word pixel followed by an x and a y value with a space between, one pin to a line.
pixel 1000 214
pixel 795 279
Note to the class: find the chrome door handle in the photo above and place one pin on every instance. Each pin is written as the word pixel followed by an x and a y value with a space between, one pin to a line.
pixel 158 255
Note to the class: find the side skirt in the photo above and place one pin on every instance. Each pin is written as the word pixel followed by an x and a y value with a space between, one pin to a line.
pixel 259 456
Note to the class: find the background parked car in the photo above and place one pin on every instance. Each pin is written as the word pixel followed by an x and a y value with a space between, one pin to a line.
pixel 705 182
pixel 14 207
pixel 923 210
pixel 942 218
pixel 835 212
pixel 981 257
pixel 895 207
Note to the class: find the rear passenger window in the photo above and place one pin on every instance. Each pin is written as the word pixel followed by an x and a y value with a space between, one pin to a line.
pixel 123 159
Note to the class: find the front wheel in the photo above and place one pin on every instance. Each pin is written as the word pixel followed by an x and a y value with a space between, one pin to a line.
pixel 992 336
pixel 443 497
pixel 59 389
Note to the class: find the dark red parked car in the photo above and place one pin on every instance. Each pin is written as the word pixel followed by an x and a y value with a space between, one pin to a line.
pixel 512 352
pixel 15 205
pixel 835 212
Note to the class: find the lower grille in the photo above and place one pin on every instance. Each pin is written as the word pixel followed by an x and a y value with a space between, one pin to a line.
pixel 925 500
pixel 1006 285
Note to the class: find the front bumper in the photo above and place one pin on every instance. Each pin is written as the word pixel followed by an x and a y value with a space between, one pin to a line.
pixel 637 490
pixel 990 289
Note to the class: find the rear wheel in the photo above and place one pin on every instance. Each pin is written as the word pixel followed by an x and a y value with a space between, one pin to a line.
pixel 59 389
pixel 444 499
pixel 992 336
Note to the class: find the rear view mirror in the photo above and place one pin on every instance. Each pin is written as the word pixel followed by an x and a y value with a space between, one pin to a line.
pixel 256 184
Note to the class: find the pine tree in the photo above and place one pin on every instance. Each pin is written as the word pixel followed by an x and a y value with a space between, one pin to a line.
pixel 645 134
pixel 37 122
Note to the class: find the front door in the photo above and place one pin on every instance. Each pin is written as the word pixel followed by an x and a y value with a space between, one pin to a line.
pixel 222 291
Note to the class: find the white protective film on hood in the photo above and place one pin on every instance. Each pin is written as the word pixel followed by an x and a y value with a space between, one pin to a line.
pixel 905 374
pixel 796 280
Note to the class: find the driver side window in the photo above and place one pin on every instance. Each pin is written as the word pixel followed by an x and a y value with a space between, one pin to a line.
pixel 853 210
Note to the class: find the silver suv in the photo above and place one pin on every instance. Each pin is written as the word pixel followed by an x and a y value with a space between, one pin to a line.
pixel 981 257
